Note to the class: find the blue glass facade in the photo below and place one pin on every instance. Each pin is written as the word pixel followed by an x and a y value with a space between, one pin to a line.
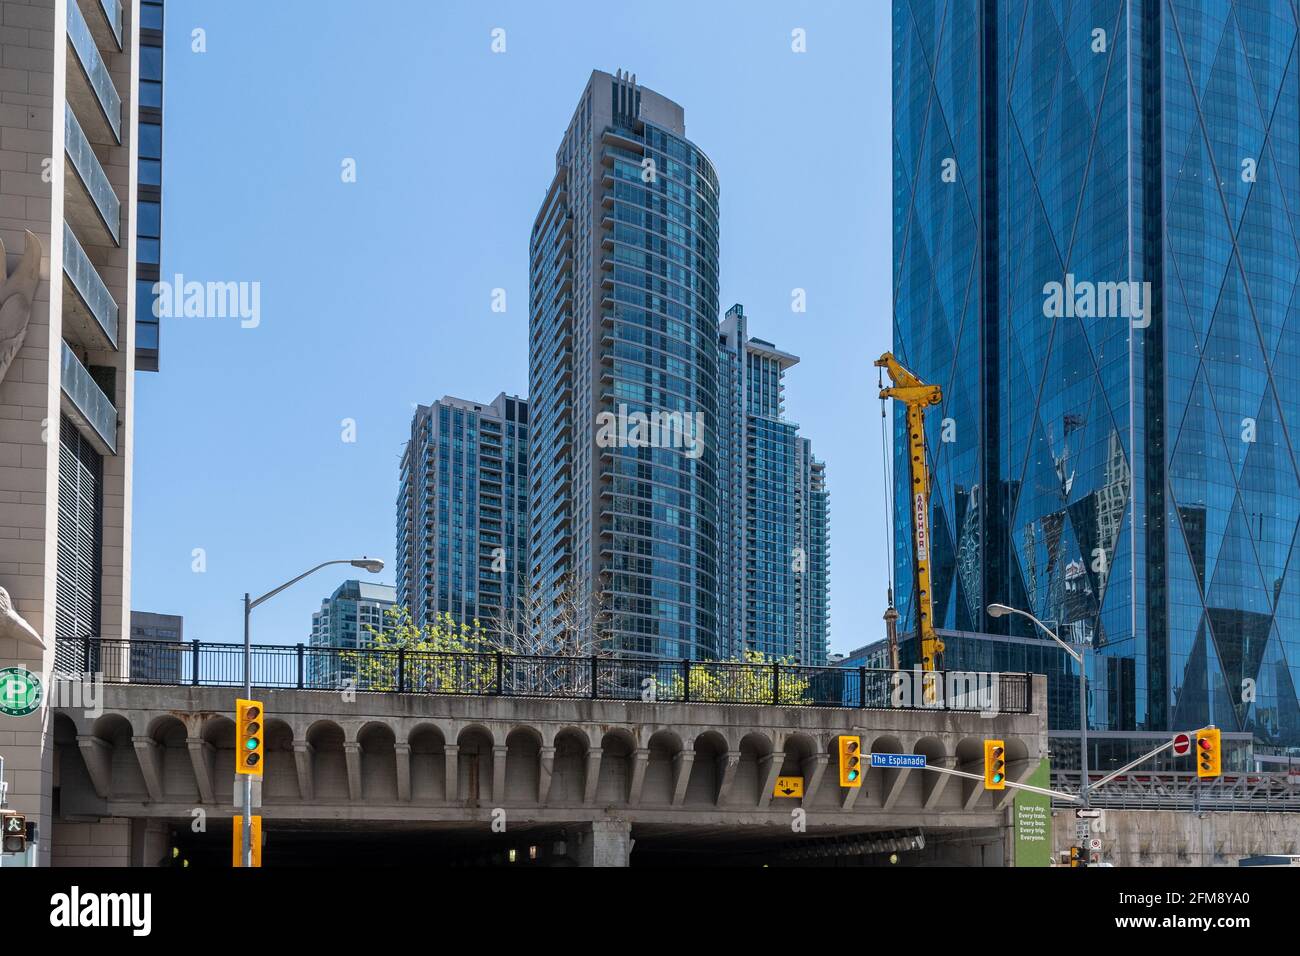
pixel 346 619
pixel 1096 256
pixel 772 508
pixel 148 241
pixel 462 513
pixel 623 322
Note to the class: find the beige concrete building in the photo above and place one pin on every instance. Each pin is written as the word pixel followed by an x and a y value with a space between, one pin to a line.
pixel 69 70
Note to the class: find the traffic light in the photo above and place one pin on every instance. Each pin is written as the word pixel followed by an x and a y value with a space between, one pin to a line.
pixel 1209 753
pixel 250 729
pixel 850 761
pixel 995 765
pixel 1074 856
pixel 15 833
pixel 239 841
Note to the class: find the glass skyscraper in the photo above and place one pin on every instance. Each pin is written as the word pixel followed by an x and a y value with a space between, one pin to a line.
pixel 772 508
pixel 623 365
pixel 348 619
pixel 462 512
pixel 1096 211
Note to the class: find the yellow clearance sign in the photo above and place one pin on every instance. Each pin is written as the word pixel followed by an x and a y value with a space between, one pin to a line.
pixel 788 787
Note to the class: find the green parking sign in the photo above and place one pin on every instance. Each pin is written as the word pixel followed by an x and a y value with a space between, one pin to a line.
pixel 20 691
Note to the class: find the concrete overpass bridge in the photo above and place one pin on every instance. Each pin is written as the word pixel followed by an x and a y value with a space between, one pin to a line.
pixel 559 780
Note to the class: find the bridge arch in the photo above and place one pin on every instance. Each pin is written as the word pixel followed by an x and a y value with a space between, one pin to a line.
pixel 569 766
pixel 377 745
pixel 329 767
pixel 428 757
pixel 617 753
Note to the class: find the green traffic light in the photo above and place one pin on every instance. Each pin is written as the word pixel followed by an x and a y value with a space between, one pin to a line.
pixel 251 744
pixel 853 775
pixel 997 778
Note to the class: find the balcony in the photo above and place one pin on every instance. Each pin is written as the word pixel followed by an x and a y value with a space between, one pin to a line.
pixel 89 201
pixel 87 405
pixel 91 313
pixel 90 87
pixel 112 20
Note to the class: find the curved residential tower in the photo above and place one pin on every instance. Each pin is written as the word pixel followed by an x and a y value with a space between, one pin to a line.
pixel 623 356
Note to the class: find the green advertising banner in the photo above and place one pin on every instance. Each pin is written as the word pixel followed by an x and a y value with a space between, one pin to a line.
pixel 1033 820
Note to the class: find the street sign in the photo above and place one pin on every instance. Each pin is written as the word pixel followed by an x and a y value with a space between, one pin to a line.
pixel 1094 844
pixel 1182 744
pixel 1087 813
pixel 1082 829
pixel 897 761
pixel 788 787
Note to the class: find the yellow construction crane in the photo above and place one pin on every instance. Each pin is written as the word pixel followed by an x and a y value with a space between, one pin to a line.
pixel 918 397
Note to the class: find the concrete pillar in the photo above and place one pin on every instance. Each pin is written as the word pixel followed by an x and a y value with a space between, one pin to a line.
pixel 728 764
pixel 202 756
pixel 148 842
pixel 769 768
pixel 403 756
pixel 451 754
pixel 813 767
pixel 682 763
pixel 499 752
pixel 352 754
pixel 593 775
pixel 604 843
pixel 640 760
pixel 545 775
pixel 146 751
pixel 303 759
pixel 97 754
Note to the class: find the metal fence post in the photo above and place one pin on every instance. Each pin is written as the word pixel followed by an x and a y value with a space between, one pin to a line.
pixel 194 678
pixel 300 667
pixel 776 682
pixel 401 670
pixel 595 676
pixel 862 686
pixel 85 655
pixel 501 672
pixel 686 678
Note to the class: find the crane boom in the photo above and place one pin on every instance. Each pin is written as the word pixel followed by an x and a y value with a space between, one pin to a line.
pixel 917 397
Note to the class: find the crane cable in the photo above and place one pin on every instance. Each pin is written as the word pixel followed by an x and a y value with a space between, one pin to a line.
pixel 888 484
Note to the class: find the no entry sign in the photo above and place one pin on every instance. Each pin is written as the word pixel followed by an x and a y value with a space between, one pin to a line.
pixel 1182 743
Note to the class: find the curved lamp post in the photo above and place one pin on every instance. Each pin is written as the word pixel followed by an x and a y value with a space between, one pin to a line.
pixel 374 566
pixel 1080 658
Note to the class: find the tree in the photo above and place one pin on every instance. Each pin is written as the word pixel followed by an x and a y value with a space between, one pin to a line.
pixel 746 680
pixel 549 654
pixel 443 658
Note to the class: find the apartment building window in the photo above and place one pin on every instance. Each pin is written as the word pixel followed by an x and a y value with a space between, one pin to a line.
pixel 81 531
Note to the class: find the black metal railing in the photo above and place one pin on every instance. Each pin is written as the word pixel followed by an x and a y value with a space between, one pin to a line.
pixel 304 667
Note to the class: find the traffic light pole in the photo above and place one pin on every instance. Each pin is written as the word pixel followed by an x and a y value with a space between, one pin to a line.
pixel 374 566
pixel 248 778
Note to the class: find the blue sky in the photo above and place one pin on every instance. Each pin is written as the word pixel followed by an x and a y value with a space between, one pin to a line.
pixel 377 294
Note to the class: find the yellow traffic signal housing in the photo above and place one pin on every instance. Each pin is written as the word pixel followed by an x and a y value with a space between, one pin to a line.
pixel 1074 856
pixel 239 842
pixel 1209 753
pixel 250 731
pixel 850 761
pixel 995 765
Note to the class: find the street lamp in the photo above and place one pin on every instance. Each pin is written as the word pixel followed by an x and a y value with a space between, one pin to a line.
pixel 374 566
pixel 1080 658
